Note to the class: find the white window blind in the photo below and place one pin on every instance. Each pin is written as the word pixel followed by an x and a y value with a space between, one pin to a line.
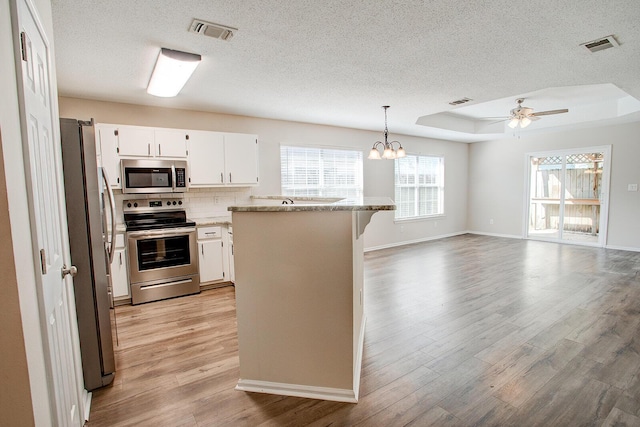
pixel 419 182
pixel 320 172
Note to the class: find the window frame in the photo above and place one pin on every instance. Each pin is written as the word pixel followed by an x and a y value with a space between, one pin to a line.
pixel 359 174
pixel 440 186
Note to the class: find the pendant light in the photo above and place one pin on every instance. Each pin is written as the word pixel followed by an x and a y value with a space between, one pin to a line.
pixel 388 152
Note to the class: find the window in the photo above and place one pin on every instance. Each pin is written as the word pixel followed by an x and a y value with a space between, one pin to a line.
pixel 320 172
pixel 419 186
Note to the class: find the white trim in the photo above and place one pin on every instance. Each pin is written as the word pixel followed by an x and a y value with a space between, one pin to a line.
pixel 87 405
pixel 409 242
pixel 623 248
pixel 298 390
pixel 357 368
pixel 507 236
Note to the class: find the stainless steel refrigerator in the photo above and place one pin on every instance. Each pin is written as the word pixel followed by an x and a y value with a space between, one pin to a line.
pixel 90 216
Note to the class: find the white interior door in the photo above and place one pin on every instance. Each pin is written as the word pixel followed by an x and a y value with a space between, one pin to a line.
pixel 568 195
pixel 48 220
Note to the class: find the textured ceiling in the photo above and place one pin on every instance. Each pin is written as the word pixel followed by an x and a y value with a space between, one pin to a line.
pixel 335 62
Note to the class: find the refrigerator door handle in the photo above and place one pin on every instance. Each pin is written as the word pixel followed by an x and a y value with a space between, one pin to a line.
pixel 112 205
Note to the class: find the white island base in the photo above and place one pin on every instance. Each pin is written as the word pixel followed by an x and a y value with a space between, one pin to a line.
pixel 299 295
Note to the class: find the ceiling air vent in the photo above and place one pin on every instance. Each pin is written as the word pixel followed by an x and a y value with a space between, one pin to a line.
pixel 601 44
pixel 210 29
pixel 460 101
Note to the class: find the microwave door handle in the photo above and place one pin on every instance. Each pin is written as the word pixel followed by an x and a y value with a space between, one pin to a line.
pixel 173 177
pixel 112 206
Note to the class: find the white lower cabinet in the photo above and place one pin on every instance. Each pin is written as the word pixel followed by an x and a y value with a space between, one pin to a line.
pixel 119 272
pixel 211 254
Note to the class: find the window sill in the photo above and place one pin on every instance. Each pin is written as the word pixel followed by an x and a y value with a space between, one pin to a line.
pixel 419 218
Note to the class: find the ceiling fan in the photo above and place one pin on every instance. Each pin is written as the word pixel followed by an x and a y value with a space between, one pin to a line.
pixel 523 116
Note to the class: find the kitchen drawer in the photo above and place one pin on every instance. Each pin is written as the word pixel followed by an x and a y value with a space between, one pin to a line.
pixel 213 232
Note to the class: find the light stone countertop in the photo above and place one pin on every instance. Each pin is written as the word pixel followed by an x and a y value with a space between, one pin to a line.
pixel 366 204
pixel 213 220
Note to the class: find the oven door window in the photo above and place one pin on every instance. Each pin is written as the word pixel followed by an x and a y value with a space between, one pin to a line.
pixel 148 178
pixel 163 252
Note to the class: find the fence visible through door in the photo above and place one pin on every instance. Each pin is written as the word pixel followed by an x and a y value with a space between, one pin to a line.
pixel 568 193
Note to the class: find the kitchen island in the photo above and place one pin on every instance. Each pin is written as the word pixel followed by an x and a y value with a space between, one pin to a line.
pixel 299 295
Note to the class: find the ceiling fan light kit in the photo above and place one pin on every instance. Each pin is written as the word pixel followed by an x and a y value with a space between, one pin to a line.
pixel 523 116
pixel 388 151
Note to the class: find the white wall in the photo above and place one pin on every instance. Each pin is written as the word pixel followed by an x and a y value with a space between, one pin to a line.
pixel 497 180
pixel 378 175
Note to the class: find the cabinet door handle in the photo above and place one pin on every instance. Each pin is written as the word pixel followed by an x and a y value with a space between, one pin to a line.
pixel 159 150
pixel 120 258
pixel 230 178
pixel 148 149
pixel 221 178
pixel 202 248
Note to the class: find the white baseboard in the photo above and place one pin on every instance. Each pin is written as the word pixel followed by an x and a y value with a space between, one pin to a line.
pixel 357 368
pixel 623 248
pixel 482 233
pixel 87 405
pixel 409 242
pixel 297 390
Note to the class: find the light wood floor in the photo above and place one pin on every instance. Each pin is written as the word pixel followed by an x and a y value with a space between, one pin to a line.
pixel 470 330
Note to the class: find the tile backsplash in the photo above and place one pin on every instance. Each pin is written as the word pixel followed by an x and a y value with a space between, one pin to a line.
pixel 198 202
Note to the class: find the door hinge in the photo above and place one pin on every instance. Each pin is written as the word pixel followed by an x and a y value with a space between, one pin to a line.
pixel 43 261
pixel 115 132
pixel 186 137
pixel 223 274
pixel 256 140
pixel 23 46
pixel 222 244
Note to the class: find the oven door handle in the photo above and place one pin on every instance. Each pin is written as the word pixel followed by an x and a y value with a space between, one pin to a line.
pixel 163 232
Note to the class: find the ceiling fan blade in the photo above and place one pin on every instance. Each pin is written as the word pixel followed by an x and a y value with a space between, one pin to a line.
pixel 550 112
pixel 533 118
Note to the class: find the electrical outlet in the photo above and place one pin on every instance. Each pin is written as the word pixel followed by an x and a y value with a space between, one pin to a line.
pixel 632 187
pixel 491 221
pixel 435 224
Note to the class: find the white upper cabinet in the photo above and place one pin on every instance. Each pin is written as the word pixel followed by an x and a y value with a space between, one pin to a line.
pixel 217 158
pixel 206 158
pixel 136 141
pixel 107 149
pixel 171 143
pixel 241 159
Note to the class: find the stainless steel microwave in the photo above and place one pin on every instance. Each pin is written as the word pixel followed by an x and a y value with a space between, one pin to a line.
pixel 154 176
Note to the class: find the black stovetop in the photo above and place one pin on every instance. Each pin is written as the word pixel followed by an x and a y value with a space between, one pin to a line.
pixel 157 220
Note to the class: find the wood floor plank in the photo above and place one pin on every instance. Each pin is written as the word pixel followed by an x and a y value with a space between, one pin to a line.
pixel 468 330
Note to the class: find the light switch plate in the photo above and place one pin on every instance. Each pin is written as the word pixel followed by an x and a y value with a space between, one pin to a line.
pixel 632 187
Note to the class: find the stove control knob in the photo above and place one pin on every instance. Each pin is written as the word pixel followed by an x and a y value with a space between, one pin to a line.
pixel 128 205
pixel 168 203
pixel 179 202
pixel 135 205
pixel 174 203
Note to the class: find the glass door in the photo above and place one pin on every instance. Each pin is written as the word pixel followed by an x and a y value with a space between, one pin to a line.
pixel 567 195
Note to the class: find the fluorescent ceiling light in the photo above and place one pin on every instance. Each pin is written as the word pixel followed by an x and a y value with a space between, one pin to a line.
pixel 173 69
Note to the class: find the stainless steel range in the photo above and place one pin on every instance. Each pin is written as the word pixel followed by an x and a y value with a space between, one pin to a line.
pixel 161 242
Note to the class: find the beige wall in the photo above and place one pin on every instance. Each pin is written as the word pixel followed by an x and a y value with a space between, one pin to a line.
pixel 497 180
pixel 378 175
